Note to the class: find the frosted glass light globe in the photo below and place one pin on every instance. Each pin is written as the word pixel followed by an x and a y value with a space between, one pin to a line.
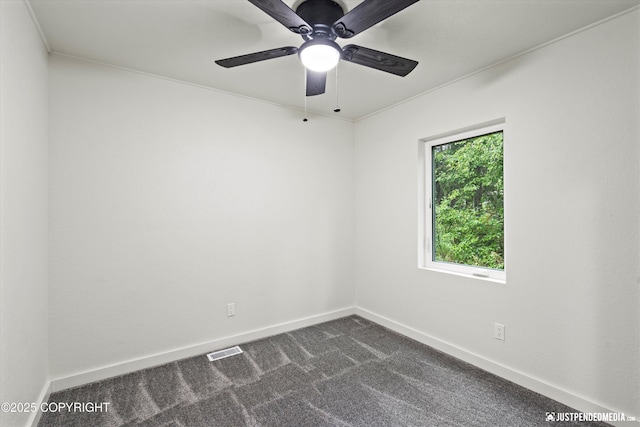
pixel 319 57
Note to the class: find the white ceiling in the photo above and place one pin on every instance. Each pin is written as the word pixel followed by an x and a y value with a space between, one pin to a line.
pixel 180 39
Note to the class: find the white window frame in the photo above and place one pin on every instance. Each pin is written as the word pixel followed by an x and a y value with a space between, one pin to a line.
pixel 425 226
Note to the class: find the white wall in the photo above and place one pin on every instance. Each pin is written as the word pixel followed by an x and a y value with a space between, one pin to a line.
pixel 169 201
pixel 570 304
pixel 23 211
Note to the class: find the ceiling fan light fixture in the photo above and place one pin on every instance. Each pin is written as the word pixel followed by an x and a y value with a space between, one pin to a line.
pixel 319 23
pixel 320 55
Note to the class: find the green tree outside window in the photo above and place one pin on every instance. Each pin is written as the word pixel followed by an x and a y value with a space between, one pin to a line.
pixel 468 197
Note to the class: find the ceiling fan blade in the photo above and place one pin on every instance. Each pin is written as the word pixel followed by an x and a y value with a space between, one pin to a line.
pixel 257 57
pixel 282 13
pixel 367 14
pixel 379 60
pixel 316 82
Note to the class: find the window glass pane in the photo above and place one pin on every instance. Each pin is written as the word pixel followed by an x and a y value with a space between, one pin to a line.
pixel 468 194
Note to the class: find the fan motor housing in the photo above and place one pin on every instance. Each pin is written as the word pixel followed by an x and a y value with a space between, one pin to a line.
pixel 321 14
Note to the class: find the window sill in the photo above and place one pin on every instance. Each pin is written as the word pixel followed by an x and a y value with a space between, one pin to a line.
pixel 467 275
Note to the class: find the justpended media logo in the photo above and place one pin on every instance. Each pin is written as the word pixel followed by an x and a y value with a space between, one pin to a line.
pixel 587 416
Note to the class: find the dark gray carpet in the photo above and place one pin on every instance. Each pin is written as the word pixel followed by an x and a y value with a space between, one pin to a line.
pixel 347 372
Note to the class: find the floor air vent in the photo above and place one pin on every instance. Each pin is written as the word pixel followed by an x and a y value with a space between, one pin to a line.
pixel 221 354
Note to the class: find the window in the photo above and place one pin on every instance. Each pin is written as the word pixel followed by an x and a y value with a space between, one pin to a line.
pixel 463 195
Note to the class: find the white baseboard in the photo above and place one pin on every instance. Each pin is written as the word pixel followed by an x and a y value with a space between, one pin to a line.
pixel 563 396
pixel 34 418
pixel 181 353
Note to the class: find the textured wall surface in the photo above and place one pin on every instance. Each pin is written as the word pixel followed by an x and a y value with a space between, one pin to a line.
pixel 23 211
pixel 570 302
pixel 169 201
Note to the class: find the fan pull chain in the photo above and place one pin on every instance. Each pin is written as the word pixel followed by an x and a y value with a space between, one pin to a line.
pixel 305 109
pixel 337 109
pixel 305 96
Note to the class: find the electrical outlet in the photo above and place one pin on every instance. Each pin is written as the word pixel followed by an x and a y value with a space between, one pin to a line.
pixel 498 331
pixel 231 309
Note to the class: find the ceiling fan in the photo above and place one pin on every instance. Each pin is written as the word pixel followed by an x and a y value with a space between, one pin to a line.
pixel 320 22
